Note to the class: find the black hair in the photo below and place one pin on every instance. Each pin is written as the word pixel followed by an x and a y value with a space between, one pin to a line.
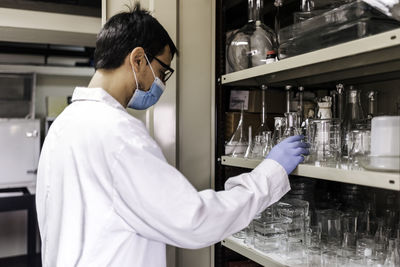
pixel 124 32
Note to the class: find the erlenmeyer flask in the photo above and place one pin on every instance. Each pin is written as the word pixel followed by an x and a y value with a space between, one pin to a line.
pixel 291 125
pixel 249 45
pixel 238 143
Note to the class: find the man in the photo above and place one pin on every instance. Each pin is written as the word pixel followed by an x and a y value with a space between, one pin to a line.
pixel 106 196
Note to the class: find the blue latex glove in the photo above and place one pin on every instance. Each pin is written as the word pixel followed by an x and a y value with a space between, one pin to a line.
pixel 289 153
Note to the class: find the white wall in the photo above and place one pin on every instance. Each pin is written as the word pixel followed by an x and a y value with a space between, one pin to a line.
pixel 13 227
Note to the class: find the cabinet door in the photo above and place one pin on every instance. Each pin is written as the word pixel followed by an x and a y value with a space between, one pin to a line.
pixel 19 154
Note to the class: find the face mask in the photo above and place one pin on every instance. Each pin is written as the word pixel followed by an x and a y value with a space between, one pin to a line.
pixel 145 99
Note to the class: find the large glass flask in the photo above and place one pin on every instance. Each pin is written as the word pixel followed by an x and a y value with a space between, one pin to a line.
pixel 237 145
pixel 353 116
pixel 249 45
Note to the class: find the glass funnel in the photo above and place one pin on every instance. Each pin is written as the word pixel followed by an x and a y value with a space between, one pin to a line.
pixel 249 45
pixel 237 144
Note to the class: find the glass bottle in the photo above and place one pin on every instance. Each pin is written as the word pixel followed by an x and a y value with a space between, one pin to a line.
pixel 249 45
pixel 238 143
pixel 353 115
pixel 291 125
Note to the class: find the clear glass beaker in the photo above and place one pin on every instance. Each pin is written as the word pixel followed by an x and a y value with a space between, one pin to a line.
pixel 324 138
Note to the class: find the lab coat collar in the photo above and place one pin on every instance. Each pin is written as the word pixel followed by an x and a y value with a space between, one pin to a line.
pixel 95 94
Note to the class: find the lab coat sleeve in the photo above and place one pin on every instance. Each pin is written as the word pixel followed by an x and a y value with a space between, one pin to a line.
pixel 157 202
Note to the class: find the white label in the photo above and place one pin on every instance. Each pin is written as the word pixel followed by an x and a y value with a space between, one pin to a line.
pixel 237 98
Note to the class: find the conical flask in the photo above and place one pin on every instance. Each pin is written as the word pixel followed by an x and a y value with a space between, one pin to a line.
pixel 249 45
pixel 237 144
pixel 291 125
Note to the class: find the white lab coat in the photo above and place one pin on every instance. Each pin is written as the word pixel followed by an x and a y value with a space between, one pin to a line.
pixel 106 196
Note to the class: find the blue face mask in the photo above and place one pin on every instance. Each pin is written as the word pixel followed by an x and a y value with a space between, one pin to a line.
pixel 145 99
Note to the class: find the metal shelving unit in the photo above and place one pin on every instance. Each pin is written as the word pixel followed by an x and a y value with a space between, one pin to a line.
pixel 372 58
pixel 367 60
pixel 385 180
pixel 237 245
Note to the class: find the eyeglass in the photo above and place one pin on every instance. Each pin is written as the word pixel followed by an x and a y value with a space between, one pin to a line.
pixel 169 71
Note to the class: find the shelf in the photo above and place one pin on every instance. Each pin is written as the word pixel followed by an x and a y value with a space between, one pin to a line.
pixel 17 25
pixel 385 180
pixel 368 59
pixel 260 257
pixel 49 70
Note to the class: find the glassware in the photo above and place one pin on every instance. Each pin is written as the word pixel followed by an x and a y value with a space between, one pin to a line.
pixel 291 125
pixel 263 127
pixel 300 108
pixel 314 256
pixel 324 108
pixel 328 258
pixel 250 146
pixel 356 261
pixel 294 250
pixel 287 89
pixel 324 138
pixel 280 125
pixel 248 46
pixel 340 101
pixel 266 144
pixel 353 116
pixel 268 234
pixel 329 220
pixel 257 151
pixel 372 104
pixel 365 247
pixel 392 258
pixel 238 143
pixel 314 236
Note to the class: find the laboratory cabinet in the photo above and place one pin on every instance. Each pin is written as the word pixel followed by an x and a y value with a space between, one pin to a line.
pixel 370 63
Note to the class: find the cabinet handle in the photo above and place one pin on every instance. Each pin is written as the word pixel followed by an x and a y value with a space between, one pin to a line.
pixel 32 134
pixel 31 171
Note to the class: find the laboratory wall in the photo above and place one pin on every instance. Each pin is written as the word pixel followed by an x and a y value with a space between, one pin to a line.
pixel 13 225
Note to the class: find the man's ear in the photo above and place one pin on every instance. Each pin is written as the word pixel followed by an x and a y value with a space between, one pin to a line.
pixel 137 59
